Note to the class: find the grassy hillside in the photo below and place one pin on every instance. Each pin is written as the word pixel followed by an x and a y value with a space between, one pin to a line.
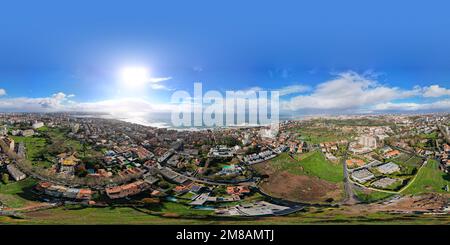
pixel 315 164
pixel 429 179
pixel 311 164
pixel 16 194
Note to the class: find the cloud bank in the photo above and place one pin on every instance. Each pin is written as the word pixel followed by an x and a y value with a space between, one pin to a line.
pixel 346 92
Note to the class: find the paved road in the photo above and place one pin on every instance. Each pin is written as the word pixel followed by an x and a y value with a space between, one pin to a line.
pixel 350 196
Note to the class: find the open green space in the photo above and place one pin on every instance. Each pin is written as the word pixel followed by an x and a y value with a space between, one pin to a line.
pixel 432 135
pixel 16 194
pixel 414 161
pixel 58 137
pixel 42 149
pixel 311 164
pixel 166 213
pixel 34 146
pixel 319 135
pixel 371 196
pixel 126 215
pixel 429 179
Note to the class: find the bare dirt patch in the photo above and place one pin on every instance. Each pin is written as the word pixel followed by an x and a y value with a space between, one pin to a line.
pixel 423 203
pixel 300 188
pixel 405 204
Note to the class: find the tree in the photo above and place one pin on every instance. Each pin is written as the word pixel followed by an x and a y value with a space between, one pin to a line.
pixel 5 178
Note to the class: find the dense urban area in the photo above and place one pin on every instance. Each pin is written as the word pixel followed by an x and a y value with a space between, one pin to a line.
pixel 62 168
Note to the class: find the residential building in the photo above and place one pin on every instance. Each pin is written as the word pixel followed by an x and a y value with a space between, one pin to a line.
pixel 15 172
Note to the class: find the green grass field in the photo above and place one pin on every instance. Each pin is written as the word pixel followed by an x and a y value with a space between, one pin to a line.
pixel 414 161
pixel 311 164
pixel 433 135
pixel 320 135
pixel 37 144
pixel 14 194
pixel 34 145
pixel 315 164
pixel 429 179
pixel 371 196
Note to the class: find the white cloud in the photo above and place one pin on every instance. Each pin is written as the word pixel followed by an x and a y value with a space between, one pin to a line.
pixel 293 89
pixel 155 83
pixel 118 108
pixel 2 92
pixel 157 86
pixel 349 90
pixel 158 79
pixel 56 102
pixel 435 91
pixel 438 105
pixel 287 90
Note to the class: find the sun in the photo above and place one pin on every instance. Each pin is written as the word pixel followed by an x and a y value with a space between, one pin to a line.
pixel 133 77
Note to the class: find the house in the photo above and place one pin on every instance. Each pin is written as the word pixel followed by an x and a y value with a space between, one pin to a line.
pixel 200 200
pixel 67 163
pixel 196 188
pixel 237 190
pixel 221 151
pixel 15 172
pixel 354 162
pixel 231 169
pixel 180 189
pixel 150 179
pixel 166 156
pixel 388 168
pixel 58 191
pixel 392 153
pixel 385 149
pixel 330 157
pixel 362 175
pixel 447 148
pixel 126 190
pixel 84 194
pixel 142 153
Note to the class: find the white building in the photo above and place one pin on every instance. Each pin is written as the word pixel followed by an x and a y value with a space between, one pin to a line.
pixel 15 173
pixel 388 168
pixel 75 128
pixel 37 125
pixel 363 175
pixel 368 141
pixel 3 130
pixel 28 133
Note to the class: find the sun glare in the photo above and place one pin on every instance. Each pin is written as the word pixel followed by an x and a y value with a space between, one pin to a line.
pixel 134 77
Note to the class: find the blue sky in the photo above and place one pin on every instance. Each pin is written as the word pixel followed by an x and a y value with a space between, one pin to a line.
pixel 56 55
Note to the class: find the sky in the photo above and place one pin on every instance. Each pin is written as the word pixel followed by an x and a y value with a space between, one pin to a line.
pixel 323 56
